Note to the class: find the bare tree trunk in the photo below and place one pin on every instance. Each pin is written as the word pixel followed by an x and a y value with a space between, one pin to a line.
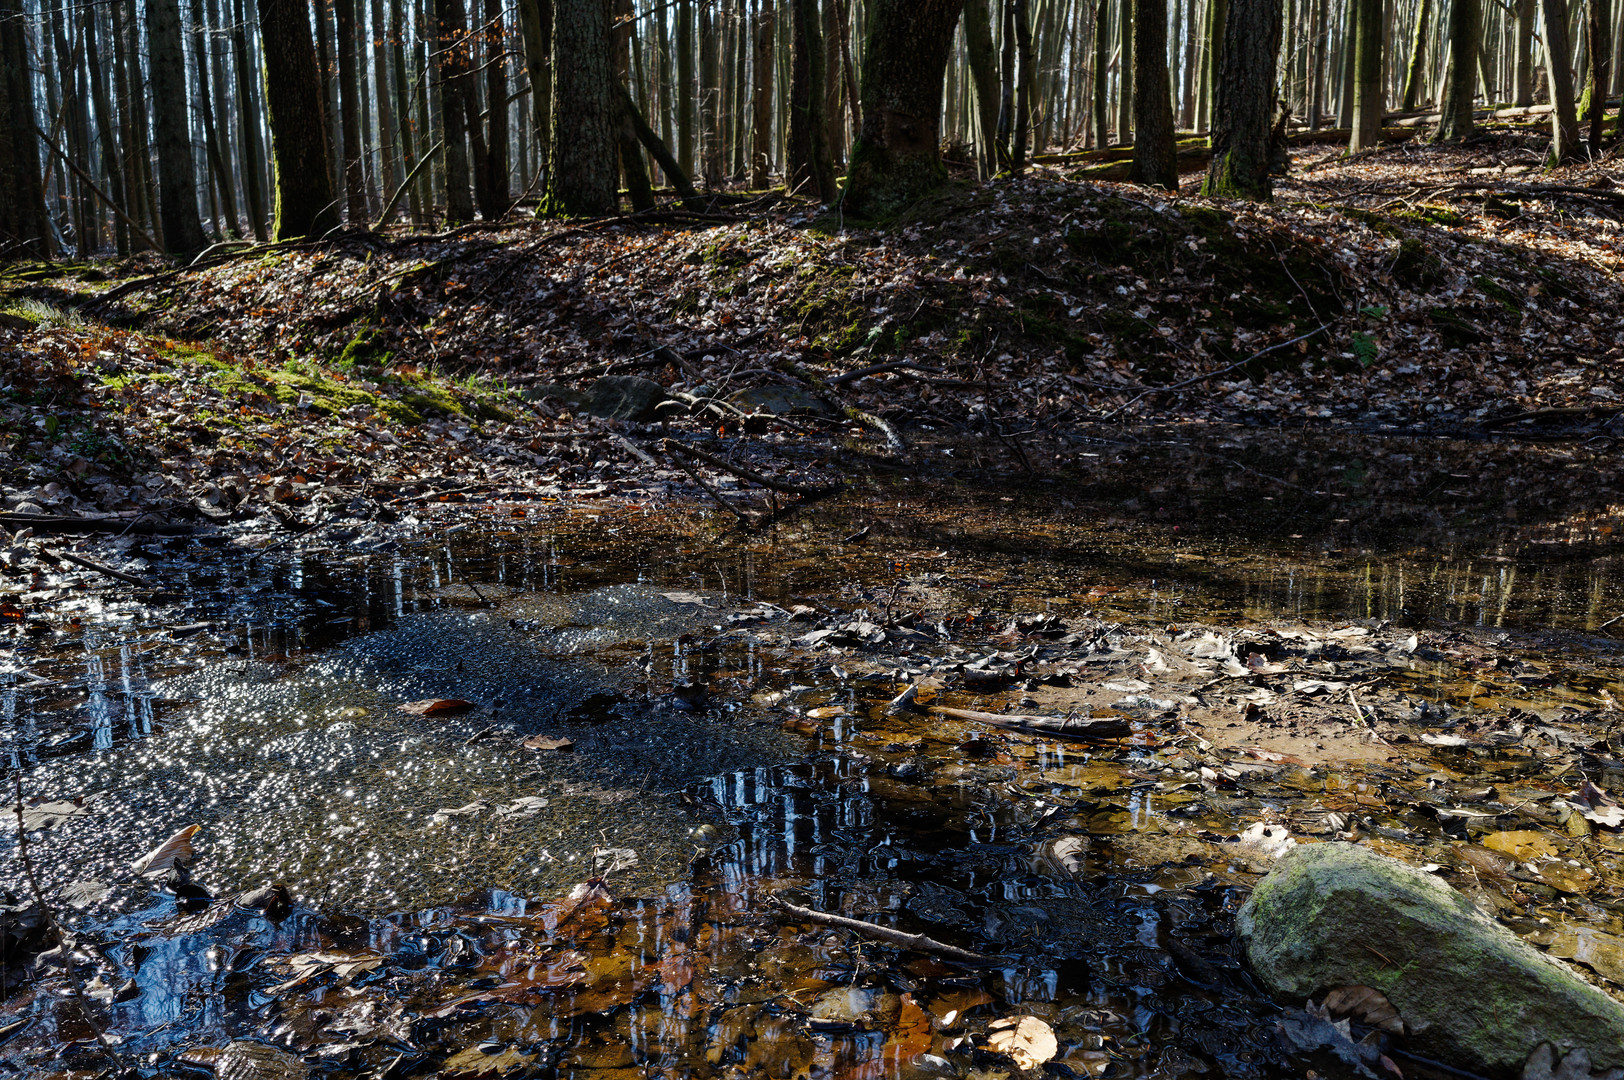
pixel 582 155
pixel 177 178
pixel 455 75
pixel 978 50
pixel 1414 71
pixel 1213 56
pixel 1101 135
pixel 25 229
pixel 684 89
pixel 710 96
pixel 1599 32
pixel 1243 112
pixel 1155 148
pixel 305 203
pixel 1368 103
pixel 1460 72
pixel 382 55
pixel 897 156
pixel 761 118
pixel 1564 114
pixel 493 190
pixel 1522 71
pixel 807 166
pixel 1023 94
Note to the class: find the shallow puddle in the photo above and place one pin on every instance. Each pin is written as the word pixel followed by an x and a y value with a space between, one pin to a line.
pixel 666 725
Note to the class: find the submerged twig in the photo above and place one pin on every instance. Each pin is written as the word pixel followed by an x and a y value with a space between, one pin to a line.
pixel 917 942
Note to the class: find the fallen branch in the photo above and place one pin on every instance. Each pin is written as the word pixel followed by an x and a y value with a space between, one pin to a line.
pixel 42 523
pixel 1214 374
pixel 744 519
pixel 91 564
pixel 916 942
pixel 1580 412
pixel 875 369
pixel 1073 729
pixel 747 474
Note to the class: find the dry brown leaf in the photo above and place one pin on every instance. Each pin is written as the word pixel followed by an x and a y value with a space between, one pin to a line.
pixel 548 742
pixel 437 707
pixel 1025 1039
pixel 176 851
pixel 1365 1004
pixel 1523 845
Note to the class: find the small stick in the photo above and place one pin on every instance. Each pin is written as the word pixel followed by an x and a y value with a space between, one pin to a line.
pixel 713 493
pixel 917 942
pixel 742 473
pixel 91 564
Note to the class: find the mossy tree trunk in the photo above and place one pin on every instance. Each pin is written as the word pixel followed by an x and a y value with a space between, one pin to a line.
pixel 897 157
pixel 583 154
pixel 1564 115
pixel 1414 72
pixel 1244 99
pixel 807 167
pixel 1460 72
pixel 182 227
pixel 1155 147
pixel 304 191
pixel 1368 30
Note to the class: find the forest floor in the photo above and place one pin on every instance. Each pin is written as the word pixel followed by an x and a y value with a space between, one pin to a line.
pixel 1088 432
pixel 1419 290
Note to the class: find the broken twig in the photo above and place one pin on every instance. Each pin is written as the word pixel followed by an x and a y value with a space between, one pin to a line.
pixel 917 942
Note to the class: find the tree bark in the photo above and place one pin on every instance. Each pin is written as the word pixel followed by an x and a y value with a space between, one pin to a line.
pixel 305 204
pixel 109 142
pixel 492 186
pixel 1599 31
pixel 177 177
pixel 1243 107
pixel 761 105
pixel 582 154
pixel 897 156
pixel 807 166
pixel 1155 147
pixel 1101 135
pixel 1125 67
pixel 253 151
pixel 683 92
pixel 1414 72
pixel 1522 71
pixel 24 227
pixel 454 63
pixel 1460 73
pixel 1369 27
pixel 1212 59
pixel 1024 87
pixel 349 110
pixel 978 51
pixel 1564 113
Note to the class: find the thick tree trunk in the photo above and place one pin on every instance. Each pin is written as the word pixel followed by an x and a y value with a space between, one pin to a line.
pixel 807 167
pixel 1564 114
pixel 1522 71
pixel 979 52
pixel 493 190
pixel 327 64
pixel 24 228
pixel 349 110
pixel 1599 32
pixel 1243 107
pixel 1460 73
pixel 305 202
pixel 1414 72
pixel 897 156
pixel 177 177
pixel 455 65
pixel 761 105
pixel 253 151
pixel 582 155
pixel 1369 28
pixel 1155 147
pixel 710 97
pixel 683 92
pixel 1024 88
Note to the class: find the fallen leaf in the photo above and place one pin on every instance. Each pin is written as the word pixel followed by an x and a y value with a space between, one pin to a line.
pixel 548 742
pixel 1026 1039
pixel 1365 1004
pixel 176 851
pixel 525 806
pixel 1523 845
pixel 437 707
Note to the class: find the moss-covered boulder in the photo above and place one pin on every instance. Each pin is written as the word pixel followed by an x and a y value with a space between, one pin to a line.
pixel 1470 992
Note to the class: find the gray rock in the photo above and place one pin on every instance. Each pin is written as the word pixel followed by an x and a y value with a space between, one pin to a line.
pixel 781 399
pixel 625 397
pixel 557 391
pixel 1470 992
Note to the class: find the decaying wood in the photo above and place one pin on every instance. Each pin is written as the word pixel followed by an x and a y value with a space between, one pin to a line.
pixel 1074 729
pixel 917 942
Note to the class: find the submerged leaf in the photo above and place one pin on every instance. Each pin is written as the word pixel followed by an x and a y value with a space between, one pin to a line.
pixel 176 851
pixel 1026 1039
pixel 437 707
